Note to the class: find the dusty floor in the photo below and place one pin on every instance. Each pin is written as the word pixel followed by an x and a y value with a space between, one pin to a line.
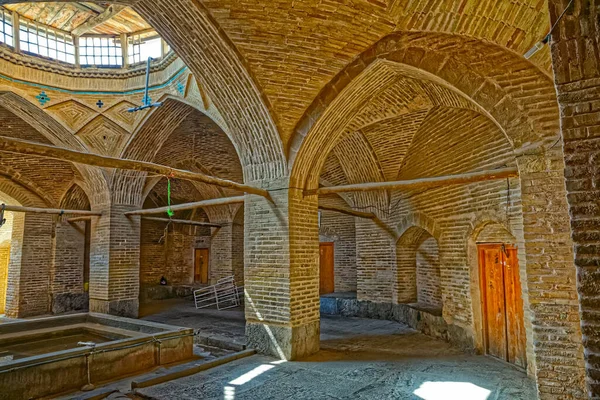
pixel 360 359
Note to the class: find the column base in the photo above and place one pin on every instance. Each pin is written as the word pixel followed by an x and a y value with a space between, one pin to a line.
pixel 284 342
pixel 122 308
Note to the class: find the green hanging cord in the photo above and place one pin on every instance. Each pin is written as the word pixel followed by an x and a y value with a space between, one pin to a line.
pixel 170 212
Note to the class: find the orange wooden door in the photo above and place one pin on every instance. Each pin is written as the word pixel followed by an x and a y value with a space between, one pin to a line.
pixel 201 266
pixel 502 305
pixel 515 327
pixel 326 268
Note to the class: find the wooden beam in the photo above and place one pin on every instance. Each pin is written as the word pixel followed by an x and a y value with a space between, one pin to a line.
pixel 79 219
pixel 99 19
pixel 469 177
pixel 182 221
pixel 189 206
pixel 48 210
pixel 19 146
pixel 348 211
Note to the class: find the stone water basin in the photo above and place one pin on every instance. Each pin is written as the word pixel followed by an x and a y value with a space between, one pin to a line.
pixel 43 357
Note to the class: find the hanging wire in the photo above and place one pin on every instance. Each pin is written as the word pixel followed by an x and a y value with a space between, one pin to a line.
pixel 170 212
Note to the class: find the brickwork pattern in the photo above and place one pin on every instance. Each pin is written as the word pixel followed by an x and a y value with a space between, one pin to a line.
pixel 340 229
pixel 577 75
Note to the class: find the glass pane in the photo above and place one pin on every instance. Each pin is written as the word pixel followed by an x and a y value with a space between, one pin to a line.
pixel 96 41
pixel 70 58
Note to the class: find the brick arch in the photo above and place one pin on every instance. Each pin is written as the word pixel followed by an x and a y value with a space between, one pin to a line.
pixel 94 182
pixel 527 113
pixel 150 140
pixel 75 199
pixel 26 183
pixel 22 194
pixel 415 283
pixel 420 220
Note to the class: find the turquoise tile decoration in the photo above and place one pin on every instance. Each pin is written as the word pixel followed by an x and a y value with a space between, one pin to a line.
pixel 42 98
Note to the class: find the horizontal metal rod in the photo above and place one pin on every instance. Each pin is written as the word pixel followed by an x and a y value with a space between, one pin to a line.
pixel 189 206
pixel 469 177
pixel 182 221
pixel 19 146
pixel 48 210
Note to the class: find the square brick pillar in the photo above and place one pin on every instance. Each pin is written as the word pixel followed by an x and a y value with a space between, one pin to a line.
pixel 27 292
pixel 375 262
pixel 115 262
pixel 281 275
pixel 576 64
pixel 551 277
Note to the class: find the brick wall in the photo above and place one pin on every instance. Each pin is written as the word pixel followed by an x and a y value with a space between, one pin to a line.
pixel 576 65
pixel 340 229
pixel 429 292
pixel 375 262
pixel 170 255
pixel 67 272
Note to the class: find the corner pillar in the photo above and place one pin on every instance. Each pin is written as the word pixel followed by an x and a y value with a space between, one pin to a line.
pixel 282 272
pixel 28 283
pixel 115 262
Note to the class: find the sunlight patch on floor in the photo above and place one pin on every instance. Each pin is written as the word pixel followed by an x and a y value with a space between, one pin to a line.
pixel 451 390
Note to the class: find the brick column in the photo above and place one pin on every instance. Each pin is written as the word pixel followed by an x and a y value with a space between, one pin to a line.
pixel 68 265
pixel 28 285
pixel 576 66
pixel 375 262
pixel 115 262
pixel 551 277
pixel 282 272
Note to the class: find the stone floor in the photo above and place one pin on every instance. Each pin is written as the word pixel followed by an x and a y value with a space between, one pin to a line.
pixel 359 359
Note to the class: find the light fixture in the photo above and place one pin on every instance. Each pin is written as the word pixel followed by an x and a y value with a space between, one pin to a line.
pixel 539 45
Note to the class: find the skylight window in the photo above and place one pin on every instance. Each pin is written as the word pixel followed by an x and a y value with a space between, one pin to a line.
pixel 6 28
pixel 47 42
pixel 100 51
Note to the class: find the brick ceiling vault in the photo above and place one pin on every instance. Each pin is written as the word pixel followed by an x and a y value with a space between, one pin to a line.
pixel 470 74
pixel 264 62
pixel 196 143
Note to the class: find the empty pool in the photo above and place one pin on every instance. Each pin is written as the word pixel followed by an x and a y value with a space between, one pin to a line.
pixel 47 356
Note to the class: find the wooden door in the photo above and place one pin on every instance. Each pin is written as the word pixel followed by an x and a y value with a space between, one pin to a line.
pixel 201 266
pixel 502 305
pixel 326 268
pixel 515 327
